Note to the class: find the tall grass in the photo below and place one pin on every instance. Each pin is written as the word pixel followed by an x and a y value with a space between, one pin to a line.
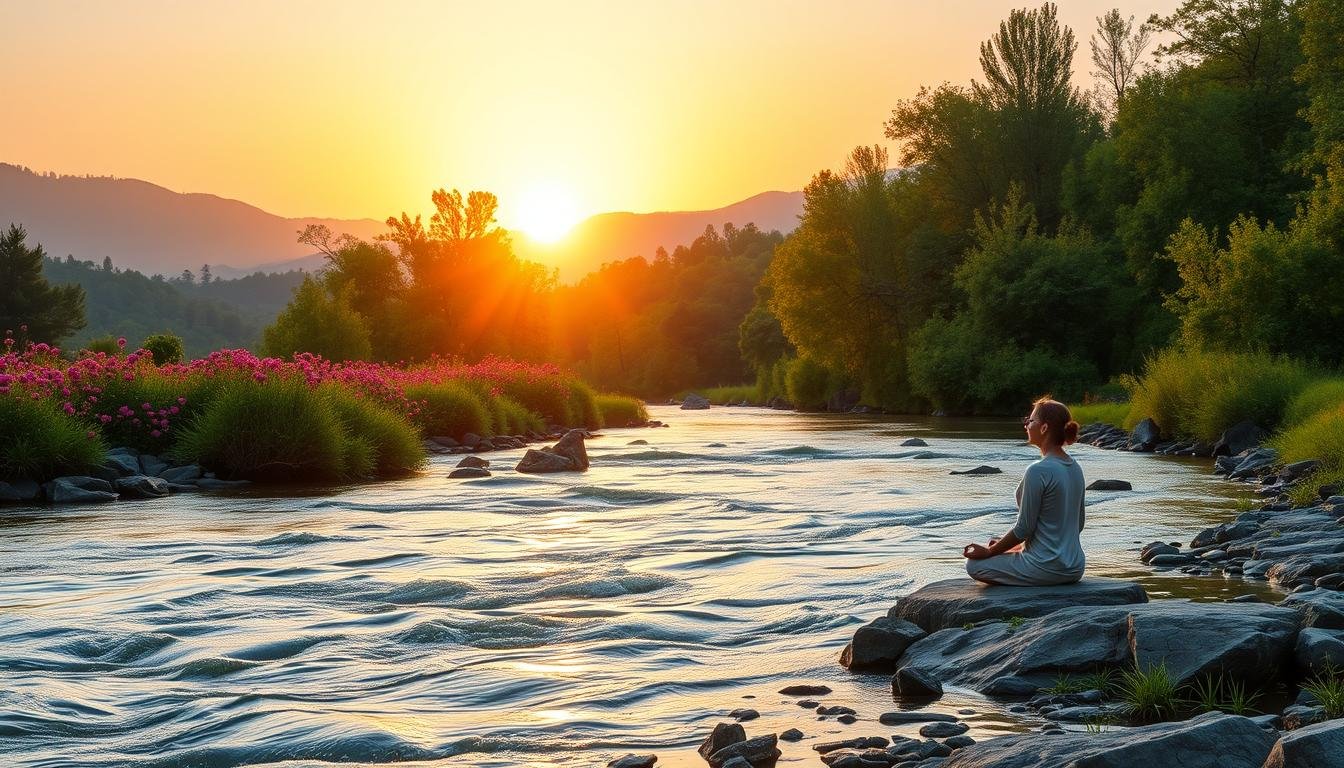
pixel 1149 694
pixel 1198 394
pixel 1100 413
pixel 278 429
pixel 619 410
pixel 39 442
pixel 380 442
pixel 450 408
pixel 1315 398
pixel 731 395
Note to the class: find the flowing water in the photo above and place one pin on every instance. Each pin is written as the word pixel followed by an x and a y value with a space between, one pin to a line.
pixel 527 620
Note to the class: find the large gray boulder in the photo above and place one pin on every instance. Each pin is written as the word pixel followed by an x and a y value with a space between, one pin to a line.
pixel 1318 650
pixel 1244 640
pixel 878 644
pixel 1212 740
pixel 955 602
pixel 76 489
pixel 20 491
pixel 1238 438
pixel 1316 746
pixel 1145 436
pixel 1322 608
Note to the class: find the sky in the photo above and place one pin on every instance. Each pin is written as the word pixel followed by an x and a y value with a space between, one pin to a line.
pixel 360 109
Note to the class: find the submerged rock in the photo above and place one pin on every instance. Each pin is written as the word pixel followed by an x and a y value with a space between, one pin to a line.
pixel 943 730
pixel 694 402
pixel 956 602
pixel 463 473
pixel 914 716
pixel 567 455
pixel 983 469
pixel 1110 485
pixel 474 461
pixel 1212 740
pixel 633 761
pixel 805 689
pixel 914 442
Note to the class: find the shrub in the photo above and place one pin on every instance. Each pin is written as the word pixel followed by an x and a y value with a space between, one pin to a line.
pixel 108 345
pixel 380 442
pixel 272 430
pixel 165 347
pixel 130 423
pixel 39 442
pixel 450 408
pixel 582 406
pixel 1198 394
pixel 807 384
pixel 619 410
pixel 511 418
pixel 1100 413
pixel 730 395
pixel 1322 395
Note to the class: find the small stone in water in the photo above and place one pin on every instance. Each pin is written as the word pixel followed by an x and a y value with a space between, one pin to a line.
pixel 943 730
pixel 847 719
pixel 805 690
pixel 809 704
pixel 743 715
pixel 836 710
pixel 633 761
pixel 793 734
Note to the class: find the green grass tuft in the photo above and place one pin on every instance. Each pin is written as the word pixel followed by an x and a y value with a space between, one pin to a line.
pixel 620 411
pixel 1148 694
pixel 274 430
pixel 729 395
pixel 380 442
pixel 451 409
pixel 38 441
pixel 1328 688
pixel 1100 413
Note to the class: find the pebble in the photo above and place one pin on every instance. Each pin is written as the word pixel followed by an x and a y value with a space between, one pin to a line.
pixel 633 761
pixel 805 690
pixel 836 710
pixel 743 715
pixel 957 742
pixel 943 730
pixel 809 704
pixel 847 719
pixel 899 718
pixel 793 734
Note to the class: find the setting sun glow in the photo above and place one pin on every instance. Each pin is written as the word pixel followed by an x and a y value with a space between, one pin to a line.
pixel 546 212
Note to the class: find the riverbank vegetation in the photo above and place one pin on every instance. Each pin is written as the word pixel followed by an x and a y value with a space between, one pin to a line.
pixel 245 416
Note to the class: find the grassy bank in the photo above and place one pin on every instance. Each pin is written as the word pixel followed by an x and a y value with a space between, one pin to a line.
pixel 268 419
pixel 1198 395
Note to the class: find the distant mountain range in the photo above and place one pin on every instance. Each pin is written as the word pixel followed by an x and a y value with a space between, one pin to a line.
pixel 149 228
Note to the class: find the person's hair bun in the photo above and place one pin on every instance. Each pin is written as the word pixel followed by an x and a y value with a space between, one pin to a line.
pixel 1071 432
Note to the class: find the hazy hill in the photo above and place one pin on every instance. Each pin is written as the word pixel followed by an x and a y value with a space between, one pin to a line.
pixel 613 236
pixel 145 227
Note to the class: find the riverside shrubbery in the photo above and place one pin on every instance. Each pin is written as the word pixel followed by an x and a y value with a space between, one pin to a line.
pixel 265 418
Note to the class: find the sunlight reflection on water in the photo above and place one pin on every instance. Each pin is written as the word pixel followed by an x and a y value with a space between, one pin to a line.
pixel 527 620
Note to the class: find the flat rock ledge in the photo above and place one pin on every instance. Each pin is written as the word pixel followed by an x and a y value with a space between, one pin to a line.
pixel 1213 740
pixel 957 602
pixel 1248 641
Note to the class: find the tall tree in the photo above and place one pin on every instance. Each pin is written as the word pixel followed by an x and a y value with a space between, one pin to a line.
pixel 50 312
pixel 1117 47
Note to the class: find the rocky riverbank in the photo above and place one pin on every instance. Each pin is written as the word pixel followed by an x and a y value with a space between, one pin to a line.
pixel 1241 676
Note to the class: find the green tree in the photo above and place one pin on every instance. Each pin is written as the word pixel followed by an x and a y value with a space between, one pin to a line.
pixel 318 323
pixel 50 313
pixel 1117 46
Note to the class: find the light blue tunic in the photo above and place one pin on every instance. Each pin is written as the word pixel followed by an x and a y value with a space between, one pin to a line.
pixel 1050 517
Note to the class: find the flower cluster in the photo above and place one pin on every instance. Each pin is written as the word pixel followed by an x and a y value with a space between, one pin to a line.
pixel 128 397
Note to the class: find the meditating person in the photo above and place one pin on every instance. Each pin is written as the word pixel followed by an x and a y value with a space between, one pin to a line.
pixel 1042 548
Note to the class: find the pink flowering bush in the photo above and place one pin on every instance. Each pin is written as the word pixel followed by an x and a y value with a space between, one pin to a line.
pixel 124 399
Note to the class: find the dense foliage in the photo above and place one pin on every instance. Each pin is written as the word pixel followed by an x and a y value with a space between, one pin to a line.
pixel 29 305
pixel 1039 240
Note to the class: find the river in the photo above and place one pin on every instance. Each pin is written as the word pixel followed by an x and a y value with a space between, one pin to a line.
pixel 528 620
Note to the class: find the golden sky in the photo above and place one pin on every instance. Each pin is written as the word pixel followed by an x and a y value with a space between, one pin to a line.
pixel 359 109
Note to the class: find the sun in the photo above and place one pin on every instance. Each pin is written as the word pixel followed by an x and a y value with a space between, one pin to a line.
pixel 547 211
